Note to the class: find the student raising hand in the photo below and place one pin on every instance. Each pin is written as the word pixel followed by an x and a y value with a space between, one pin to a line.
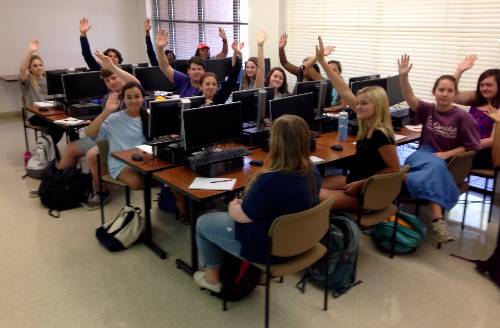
pixel 104 61
pixel 283 40
pixel 404 65
pixel 261 37
pixel 113 103
pixel 222 34
pixel 84 26
pixel 465 65
pixel 34 46
pixel 147 26
pixel 161 39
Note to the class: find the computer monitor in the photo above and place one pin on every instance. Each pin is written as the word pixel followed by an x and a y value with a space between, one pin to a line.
pixel 250 103
pixel 394 90
pixel 316 88
pixel 362 78
pixel 54 81
pixel 356 86
pixel 79 87
pixel 210 125
pixel 141 65
pixel 181 65
pixel 218 67
pixel 153 79
pixel 127 68
pixel 267 66
pixel 300 105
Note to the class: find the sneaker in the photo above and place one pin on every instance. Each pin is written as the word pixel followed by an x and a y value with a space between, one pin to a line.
pixel 199 279
pixel 440 228
pixel 93 202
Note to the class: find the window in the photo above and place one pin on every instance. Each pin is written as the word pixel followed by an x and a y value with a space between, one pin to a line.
pixel 190 22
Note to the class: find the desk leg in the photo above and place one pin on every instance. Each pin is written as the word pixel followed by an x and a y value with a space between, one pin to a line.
pixel 148 234
pixel 190 269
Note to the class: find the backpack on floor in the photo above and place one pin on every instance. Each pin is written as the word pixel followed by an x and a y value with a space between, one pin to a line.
pixel 41 157
pixel 123 231
pixel 344 240
pixel 63 189
pixel 166 199
pixel 239 278
pixel 410 233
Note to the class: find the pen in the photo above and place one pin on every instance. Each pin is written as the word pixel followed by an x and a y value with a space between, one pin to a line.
pixel 226 180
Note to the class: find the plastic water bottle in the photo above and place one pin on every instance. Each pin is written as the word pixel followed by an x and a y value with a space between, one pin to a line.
pixel 343 126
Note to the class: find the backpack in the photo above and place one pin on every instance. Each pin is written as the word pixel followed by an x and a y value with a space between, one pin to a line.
pixel 43 154
pixel 63 189
pixel 166 200
pixel 122 232
pixel 239 278
pixel 409 235
pixel 344 240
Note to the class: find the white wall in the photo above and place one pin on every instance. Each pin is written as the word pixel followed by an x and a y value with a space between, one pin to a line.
pixel 115 24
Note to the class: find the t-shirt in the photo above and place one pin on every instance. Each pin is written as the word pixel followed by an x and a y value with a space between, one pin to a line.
pixel 367 161
pixel 272 195
pixel 484 122
pixel 183 84
pixel 447 130
pixel 30 93
pixel 123 132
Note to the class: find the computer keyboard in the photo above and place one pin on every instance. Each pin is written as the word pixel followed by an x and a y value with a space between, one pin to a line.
pixel 210 157
pixel 163 141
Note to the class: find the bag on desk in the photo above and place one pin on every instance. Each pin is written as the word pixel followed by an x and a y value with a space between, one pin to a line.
pixel 123 231
pixel 43 154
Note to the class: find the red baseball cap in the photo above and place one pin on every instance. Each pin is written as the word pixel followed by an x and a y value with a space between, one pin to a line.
pixel 203 45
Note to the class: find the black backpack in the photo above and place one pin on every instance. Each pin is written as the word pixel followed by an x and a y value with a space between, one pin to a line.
pixel 63 189
pixel 239 278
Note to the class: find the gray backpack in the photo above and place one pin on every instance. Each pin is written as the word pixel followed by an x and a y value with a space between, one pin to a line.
pixel 43 154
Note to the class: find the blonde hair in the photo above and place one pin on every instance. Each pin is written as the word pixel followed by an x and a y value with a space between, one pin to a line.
pixel 33 80
pixel 378 98
pixel 289 150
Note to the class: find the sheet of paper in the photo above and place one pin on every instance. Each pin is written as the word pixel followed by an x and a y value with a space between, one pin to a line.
pixel 146 148
pixel 70 121
pixel 316 159
pixel 399 137
pixel 414 128
pixel 44 104
pixel 212 184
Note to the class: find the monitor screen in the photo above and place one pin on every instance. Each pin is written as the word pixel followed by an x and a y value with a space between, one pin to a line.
pixel 54 81
pixel 300 105
pixel 82 86
pixel 181 65
pixel 153 79
pixel 164 118
pixel 356 86
pixel 362 78
pixel 249 103
pixel 218 67
pixel 210 125
pixel 313 86
pixel 141 65
pixel 127 68
pixel 394 90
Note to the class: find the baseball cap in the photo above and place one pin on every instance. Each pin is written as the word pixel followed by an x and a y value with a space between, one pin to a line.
pixel 203 45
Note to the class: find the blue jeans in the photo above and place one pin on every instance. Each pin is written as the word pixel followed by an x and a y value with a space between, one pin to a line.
pixel 215 235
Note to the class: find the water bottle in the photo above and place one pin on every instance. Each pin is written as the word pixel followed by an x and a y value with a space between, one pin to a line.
pixel 343 125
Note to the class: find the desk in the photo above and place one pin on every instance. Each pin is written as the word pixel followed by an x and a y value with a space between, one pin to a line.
pixel 45 113
pixel 146 167
pixel 330 138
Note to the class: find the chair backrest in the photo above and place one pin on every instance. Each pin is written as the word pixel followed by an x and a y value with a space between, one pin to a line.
pixel 295 233
pixel 380 190
pixel 460 165
pixel 103 146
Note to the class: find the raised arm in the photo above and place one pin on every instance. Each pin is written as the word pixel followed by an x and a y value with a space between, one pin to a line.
pixel 261 69
pixel 25 63
pixel 223 53
pixel 404 68
pixel 112 104
pixel 334 77
pixel 149 44
pixel 291 68
pixel 309 63
pixel 161 42
pixel 465 97
pixel 107 63
pixel 223 94
pixel 84 43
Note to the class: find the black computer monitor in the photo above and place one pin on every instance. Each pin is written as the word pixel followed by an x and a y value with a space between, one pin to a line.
pixel 218 67
pixel 300 105
pixel 250 105
pixel 362 78
pixel 356 86
pixel 83 86
pixel 54 81
pixel 314 87
pixel 267 66
pixel 153 79
pixel 210 125
pixel 141 65
pixel 181 65
pixel 394 92
pixel 127 68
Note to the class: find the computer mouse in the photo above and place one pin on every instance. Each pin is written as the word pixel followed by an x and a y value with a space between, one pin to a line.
pixel 256 162
pixel 137 157
pixel 337 147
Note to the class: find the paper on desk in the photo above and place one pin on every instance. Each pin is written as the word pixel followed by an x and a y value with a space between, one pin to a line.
pixel 212 184
pixel 146 148
pixel 399 137
pixel 44 104
pixel 316 160
pixel 69 121
pixel 414 128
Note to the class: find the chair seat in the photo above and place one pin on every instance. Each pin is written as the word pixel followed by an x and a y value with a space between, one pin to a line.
pixel 109 179
pixel 371 218
pixel 486 173
pixel 297 263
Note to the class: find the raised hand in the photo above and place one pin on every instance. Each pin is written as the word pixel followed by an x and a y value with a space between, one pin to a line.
pixel 84 26
pixel 237 47
pixel 261 37
pixel 222 34
pixel 34 45
pixel 467 63
pixel 104 61
pixel 162 39
pixel 113 103
pixel 328 50
pixel 283 40
pixel 404 65
pixel 147 25
pixel 320 50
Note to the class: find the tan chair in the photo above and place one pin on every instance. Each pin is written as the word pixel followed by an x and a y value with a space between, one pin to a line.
pixel 376 200
pixel 102 159
pixel 304 248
